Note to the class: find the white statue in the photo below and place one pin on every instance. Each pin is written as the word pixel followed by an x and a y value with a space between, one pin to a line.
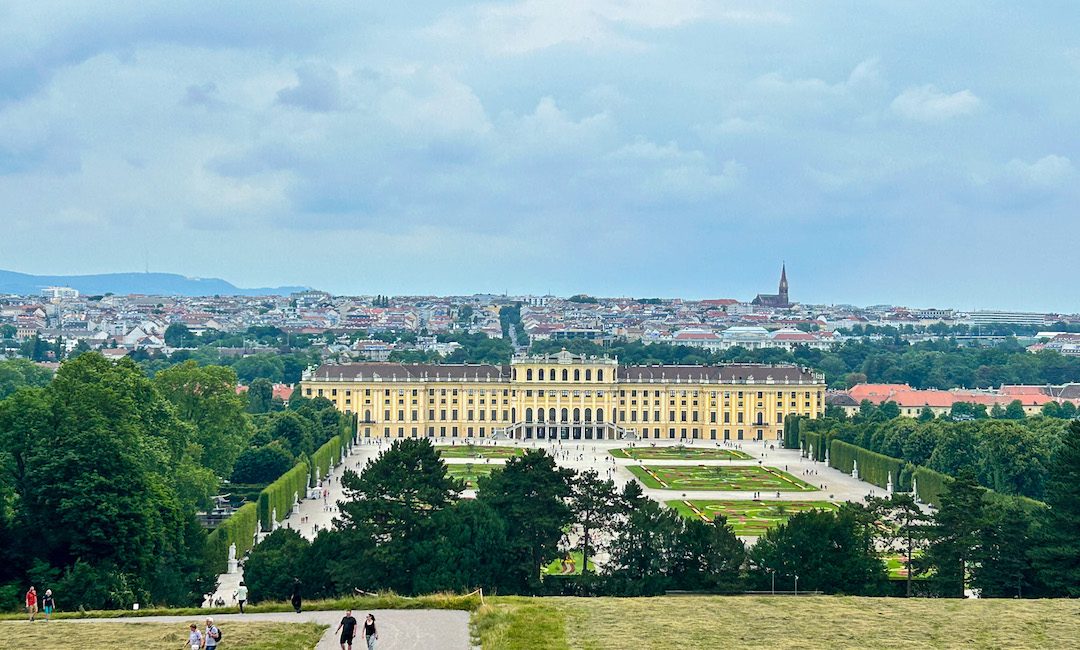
pixel 888 486
pixel 296 503
pixel 233 565
pixel 810 452
pixel 854 469
pixel 826 455
pixel 318 476
pixel 273 520
pixel 915 489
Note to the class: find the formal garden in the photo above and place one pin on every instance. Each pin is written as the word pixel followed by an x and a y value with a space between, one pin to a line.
pixel 469 472
pixel 718 477
pixel 478 451
pixel 680 452
pixel 748 518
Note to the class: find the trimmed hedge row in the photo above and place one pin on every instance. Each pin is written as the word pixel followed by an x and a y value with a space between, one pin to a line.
pixel 792 431
pixel 238 529
pixel 281 493
pixel 815 439
pixel 324 458
pixel 930 484
pixel 873 467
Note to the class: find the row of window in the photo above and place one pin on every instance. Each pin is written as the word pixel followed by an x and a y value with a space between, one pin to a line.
pixel 551 374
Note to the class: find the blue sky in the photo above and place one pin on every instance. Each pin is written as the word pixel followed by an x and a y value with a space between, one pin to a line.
pixel 919 153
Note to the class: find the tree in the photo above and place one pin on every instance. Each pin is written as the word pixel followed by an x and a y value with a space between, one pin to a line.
pixel 293 430
pixel 462 547
pixel 178 335
pixel 16 373
pixel 707 556
pixel 829 552
pixel 206 397
pixel 889 410
pixel 529 493
pixel 1015 410
pixel 262 464
pixel 640 553
pixel 1056 552
pixel 274 564
pixel 260 396
pixel 1000 566
pixel 954 535
pixel 1051 410
pixel 390 501
pixel 904 528
pixel 1068 410
pixel 997 412
pixel 594 503
pixel 926 415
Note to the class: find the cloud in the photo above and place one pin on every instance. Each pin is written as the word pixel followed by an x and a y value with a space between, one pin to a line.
pixel 204 94
pixel 1048 172
pixel 318 89
pixel 928 104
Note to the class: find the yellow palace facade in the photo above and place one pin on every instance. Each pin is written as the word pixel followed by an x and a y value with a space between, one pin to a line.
pixel 569 397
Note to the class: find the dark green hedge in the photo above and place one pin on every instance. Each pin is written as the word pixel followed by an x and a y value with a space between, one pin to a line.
pixel 238 529
pixel 814 439
pixel 280 494
pixel 930 484
pixel 792 428
pixel 873 467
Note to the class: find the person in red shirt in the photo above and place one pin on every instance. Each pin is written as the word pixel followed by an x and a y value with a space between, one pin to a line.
pixel 31 602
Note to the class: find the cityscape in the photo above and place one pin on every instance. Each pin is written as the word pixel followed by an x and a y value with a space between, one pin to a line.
pixel 539 325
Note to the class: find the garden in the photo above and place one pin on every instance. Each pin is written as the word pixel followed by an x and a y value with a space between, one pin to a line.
pixel 748 518
pixel 718 477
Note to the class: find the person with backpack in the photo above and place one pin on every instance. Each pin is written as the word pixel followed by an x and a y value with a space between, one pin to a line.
pixel 212 637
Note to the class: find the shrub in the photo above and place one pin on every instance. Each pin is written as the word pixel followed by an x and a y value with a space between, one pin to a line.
pixel 279 495
pixel 238 529
pixel 873 467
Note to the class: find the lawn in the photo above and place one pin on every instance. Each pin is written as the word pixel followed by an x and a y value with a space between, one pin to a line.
pixel 469 472
pixel 680 453
pixel 807 623
pixel 156 636
pixel 718 477
pixel 749 518
pixel 556 566
pixel 478 451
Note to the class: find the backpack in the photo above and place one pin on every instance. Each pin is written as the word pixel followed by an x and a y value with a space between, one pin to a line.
pixel 218 635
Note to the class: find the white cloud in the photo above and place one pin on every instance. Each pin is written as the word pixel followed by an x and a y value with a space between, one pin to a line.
pixel 1047 172
pixel 928 104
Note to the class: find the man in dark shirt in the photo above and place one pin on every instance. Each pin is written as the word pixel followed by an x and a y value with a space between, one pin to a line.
pixel 347 627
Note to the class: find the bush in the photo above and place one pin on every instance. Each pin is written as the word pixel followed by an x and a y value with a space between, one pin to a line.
pixel 325 457
pixel 792 430
pixel 873 467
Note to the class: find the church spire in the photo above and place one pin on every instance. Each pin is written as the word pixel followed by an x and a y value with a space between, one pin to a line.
pixel 783 285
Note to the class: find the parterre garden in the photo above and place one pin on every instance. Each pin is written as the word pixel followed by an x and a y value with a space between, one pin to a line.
pixel 469 472
pixel 478 451
pixel 719 478
pixel 748 518
pixel 679 453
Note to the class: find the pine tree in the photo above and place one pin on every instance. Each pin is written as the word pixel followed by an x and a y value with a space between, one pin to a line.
pixel 1056 553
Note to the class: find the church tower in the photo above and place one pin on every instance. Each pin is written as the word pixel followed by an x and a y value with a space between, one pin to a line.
pixel 783 292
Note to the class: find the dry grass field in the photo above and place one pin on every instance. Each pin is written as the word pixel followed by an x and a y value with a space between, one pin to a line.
pixel 805 623
pixel 154 636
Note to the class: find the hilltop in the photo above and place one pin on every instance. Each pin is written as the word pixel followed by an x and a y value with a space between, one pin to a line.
pixel 164 284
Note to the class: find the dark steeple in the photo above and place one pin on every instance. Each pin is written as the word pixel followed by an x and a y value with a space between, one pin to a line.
pixel 783 285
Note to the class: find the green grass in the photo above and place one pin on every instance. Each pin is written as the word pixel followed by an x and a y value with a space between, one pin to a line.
pixel 157 636
pixel 680 453
pixel 806 623
pixel 478 451
pixel 749 518
pixel 469 472
pixel 718 477
pixel 555 568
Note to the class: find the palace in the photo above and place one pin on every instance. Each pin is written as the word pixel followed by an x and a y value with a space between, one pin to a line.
pixel 571 397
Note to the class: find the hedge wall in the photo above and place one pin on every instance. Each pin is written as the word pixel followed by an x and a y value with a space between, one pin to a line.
pixel 324 458
pixel 238 529
pixel 792 428
pixel 815 439
pixel 930 484
pixel 873 467
pixel 280 493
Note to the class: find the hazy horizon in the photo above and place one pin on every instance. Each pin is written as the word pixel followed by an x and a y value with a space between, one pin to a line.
pixel 920 153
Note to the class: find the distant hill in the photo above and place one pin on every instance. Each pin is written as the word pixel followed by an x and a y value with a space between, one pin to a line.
pixel 156 284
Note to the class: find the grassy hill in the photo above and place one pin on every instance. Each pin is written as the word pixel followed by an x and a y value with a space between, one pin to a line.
pixel 807 623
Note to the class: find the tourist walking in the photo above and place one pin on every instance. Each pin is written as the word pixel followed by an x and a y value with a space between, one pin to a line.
pixel 297 600
pixel 48 604
pixel 347 628
pixel 31 603
pixel 371 635
pixel 212 635
pixel 195 638
pixel 241 595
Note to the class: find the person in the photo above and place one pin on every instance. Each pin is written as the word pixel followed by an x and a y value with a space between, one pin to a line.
pixel 212 635
pixel 347 628
pixel 31 603
pixel 48 604
pixel 297 600
pixel 371 635
pixel 195 637
pixel 241 595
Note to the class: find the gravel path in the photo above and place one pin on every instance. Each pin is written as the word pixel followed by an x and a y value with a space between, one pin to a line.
pixel 399 629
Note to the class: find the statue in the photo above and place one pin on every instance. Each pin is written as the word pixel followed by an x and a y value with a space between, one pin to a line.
pixel 826 455
pixel 915 489
pixel 232 558
pixel 855 469
pixel 889 486
pixel 296 503
pixel 810 452
pixel 273 520
pixel 318 476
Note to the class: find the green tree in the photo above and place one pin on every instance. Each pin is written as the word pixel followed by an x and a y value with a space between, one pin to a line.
pixel 707 556
pixel 462 547
pixel 262 464
pixel 260 396
pixel 529 493
pixel 16 373
pixel 595 504
pixel 1068 410
pixel 926 415
pixel 904 529
pixel 1000 566
pixel 641 551
pixel 1056 552
pixel 205 396
pixel 954 535
pixel 274 564
pixel 178 335
pixel 1015 410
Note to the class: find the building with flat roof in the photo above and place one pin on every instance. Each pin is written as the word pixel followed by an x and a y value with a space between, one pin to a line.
pixel 570 397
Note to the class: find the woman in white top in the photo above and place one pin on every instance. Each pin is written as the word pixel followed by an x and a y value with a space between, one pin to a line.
pixel 195 638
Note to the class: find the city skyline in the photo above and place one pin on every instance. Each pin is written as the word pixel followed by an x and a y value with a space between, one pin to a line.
pixel 916 155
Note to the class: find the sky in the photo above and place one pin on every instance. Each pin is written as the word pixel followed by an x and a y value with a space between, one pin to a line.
pixel 913 153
